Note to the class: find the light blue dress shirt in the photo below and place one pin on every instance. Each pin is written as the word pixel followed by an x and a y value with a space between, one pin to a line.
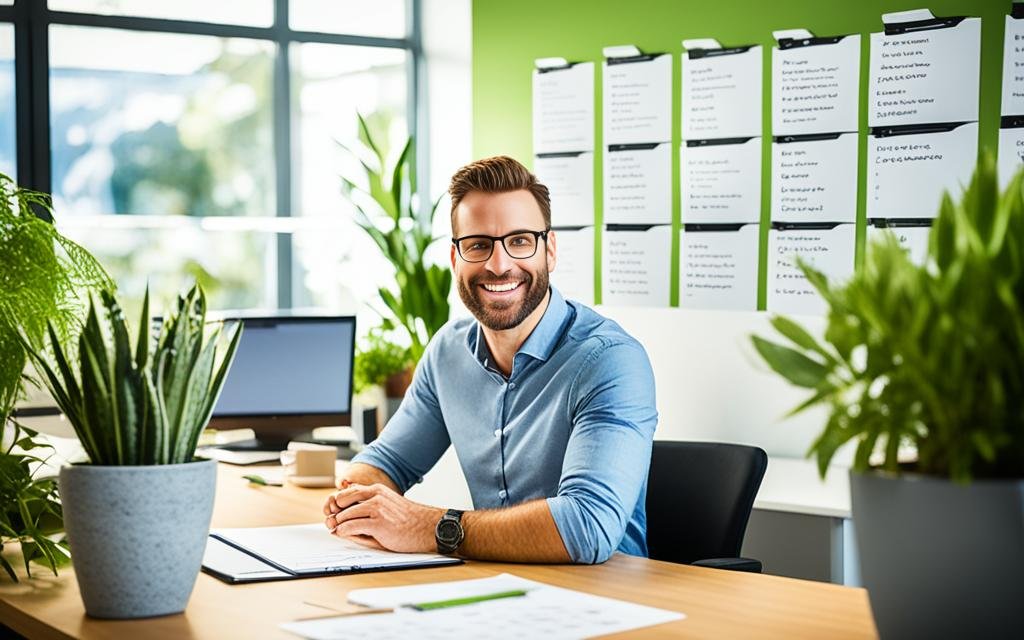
pixel 573 423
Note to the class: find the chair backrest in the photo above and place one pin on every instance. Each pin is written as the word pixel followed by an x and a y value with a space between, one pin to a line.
pixel 699 497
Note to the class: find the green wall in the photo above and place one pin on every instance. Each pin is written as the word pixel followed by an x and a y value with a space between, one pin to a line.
pixel 509 34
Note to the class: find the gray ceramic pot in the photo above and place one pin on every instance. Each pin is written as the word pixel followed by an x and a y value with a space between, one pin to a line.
pixel 939 559
pixel 137 534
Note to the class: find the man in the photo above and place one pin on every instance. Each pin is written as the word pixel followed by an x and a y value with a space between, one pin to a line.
pixel 550 407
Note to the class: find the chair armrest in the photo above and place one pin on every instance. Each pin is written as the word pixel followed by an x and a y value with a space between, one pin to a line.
pixel 731 564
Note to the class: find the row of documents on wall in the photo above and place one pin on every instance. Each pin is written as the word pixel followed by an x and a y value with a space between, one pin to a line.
pixel 922 140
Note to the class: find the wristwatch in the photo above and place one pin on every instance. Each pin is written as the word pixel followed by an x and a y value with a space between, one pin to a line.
pixel 449 533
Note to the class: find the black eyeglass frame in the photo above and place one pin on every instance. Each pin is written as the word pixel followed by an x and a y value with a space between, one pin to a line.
pixel 538 235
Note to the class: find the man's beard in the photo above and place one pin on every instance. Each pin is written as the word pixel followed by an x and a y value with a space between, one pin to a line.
pixel 499 316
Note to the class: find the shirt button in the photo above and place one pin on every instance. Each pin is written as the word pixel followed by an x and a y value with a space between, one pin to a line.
pixel 503 494
pixel 497 433
pixel 511 385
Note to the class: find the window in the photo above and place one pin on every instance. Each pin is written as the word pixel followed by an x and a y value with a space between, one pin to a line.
pixel 197 139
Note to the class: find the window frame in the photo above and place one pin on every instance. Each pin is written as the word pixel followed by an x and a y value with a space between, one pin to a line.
pixel 33 18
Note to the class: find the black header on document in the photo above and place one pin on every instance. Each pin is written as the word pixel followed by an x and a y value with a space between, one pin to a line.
pixel 793 43
pixel 1017 12
pixel 644 57
pixel 883 223
pixel 694 54
pixel 807 137
pixel 640 146
pixel 897 28
pixel 796 226
pixel 716 226
pixel 557 68
pixel 711 142
pixel 1011 122
pixel 912 129
pixel 631 227
pixel 570 227
pixel 561 154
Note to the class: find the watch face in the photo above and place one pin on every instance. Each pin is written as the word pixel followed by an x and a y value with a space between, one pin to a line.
pixel 448 530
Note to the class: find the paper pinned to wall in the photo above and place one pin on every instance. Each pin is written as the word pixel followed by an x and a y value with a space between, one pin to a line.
pixel 718 266
pixel 637 184
pixel 569 178
pixel 563 109
pixel 637 99
pixel 574 270
pixel 721 180
pixel 814 178
pixel 1012 103
pixel 830 249
pixel 908 173
pixel 815 86
pixel 635 265
pixel 1011 152
pixel 912 236
pixel 925 74
pixel 720 86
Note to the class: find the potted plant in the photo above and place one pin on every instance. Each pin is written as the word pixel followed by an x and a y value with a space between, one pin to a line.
pixel 382 366
pixel 137 516
pixel 387 209
pixel 922 367
pixel 43 277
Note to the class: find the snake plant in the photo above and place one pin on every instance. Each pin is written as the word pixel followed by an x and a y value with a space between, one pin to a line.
pixel 146 407
pixel 930 356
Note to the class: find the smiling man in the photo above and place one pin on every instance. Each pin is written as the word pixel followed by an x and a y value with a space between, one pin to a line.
pixel 550 406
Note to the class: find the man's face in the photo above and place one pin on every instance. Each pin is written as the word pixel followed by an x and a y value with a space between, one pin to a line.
pixel 502 291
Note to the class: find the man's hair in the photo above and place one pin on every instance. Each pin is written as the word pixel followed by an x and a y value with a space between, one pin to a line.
pixel 499 174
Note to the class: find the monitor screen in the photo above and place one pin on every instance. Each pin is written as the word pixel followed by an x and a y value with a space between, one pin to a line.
pixel 290 367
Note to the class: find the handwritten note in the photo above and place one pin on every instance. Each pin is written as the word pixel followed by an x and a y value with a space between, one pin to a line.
pixel 719 88
pixel 815 180
pixel 635 266
pixel 815 88
pixel 718 267
pixel 828 250
pixel 637 100
pixel 1013 68
pixel 637 184
pixel 574 270
pixel 563 109
pixel 570 182
pixel 721 182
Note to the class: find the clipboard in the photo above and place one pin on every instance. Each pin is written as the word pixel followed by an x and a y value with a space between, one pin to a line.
pixel 262 554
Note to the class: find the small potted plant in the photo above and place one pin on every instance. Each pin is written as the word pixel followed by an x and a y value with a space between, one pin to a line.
pixel 384 367
pixel 44 277
pixel 138 514
pixel 922 366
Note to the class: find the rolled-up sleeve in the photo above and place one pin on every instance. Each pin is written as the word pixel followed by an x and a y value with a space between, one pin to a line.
pixel 604 473
pixel 416 437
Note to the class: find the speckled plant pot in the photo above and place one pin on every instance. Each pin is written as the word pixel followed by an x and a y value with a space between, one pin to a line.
pixel 137 534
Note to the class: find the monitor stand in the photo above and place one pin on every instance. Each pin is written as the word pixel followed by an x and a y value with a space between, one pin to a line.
pixel 345 452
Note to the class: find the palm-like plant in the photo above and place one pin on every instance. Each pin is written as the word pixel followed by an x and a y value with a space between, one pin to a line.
pixel 420 305
pixel 146 407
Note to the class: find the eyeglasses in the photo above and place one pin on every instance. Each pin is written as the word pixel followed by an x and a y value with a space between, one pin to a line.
pixel 520 245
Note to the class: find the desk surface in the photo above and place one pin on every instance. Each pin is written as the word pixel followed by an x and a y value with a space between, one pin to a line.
pixel 717 603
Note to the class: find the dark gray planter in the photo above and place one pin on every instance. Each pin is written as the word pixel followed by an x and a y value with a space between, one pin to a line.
pixel 939 559
pixel 137 534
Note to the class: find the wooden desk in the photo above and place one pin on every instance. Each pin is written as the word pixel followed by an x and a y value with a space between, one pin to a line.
pixel 718 604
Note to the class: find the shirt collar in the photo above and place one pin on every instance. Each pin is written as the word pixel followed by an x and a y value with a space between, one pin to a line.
pixel 542 340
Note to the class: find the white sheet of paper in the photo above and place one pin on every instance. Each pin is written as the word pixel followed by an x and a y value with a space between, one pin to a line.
pixel 548 612
pixel 816 88
pixel 308 548
pixel 1012 103
pixel 907 174
pixel 831 251
pixel 815 181
pixel 637 101
pixel 223 558
pixel 722 95
pixel 925 76
pixel 913 239
pixel 574 270
pixel 721 182
pixel 718 269
pixel 570 183
pixel 635 267
pixel 1011 154
pixel 563 109
pixel 638 186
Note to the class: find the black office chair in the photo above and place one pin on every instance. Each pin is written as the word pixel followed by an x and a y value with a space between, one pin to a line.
pixel 699 497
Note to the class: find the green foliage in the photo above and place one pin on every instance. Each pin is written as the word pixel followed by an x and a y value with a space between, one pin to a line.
pixel 43 277
pixel 420 306
pixel 377 360
pixel 146 407
pixel 930 356
pixel 30 512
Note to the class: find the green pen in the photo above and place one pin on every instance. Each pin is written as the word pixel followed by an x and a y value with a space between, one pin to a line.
pixel 455 602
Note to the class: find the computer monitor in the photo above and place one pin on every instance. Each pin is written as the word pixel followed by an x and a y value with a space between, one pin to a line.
pixel 290 375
